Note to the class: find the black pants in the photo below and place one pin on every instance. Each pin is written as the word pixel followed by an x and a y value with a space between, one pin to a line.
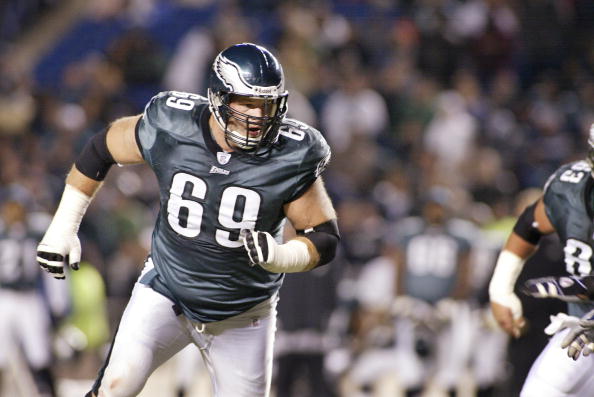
pixel 302 375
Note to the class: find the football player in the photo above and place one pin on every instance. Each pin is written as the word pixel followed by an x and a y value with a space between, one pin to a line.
pixel 231 169
pixel 433 268
pixel 21 287
pixel 566 207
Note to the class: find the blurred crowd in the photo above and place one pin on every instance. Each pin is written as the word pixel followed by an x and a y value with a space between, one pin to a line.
pixel 466 105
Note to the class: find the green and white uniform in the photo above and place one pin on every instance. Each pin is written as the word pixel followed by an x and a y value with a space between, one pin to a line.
pixel 24 307
pixel 569 205
pixel 433 254
pixel 208 196
pixel 197 261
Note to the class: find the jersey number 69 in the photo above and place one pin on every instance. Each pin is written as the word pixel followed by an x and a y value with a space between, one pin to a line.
pixel 185 215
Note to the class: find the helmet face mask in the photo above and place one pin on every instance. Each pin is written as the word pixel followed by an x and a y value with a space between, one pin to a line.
pixel 247 73
pixel 245 131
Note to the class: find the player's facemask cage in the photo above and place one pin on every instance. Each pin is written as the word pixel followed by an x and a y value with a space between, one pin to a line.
pixel 274 110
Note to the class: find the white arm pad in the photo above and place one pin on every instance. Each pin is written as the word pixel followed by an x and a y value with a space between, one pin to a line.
pixel 69 214
pixel 501 287
pixel 291 257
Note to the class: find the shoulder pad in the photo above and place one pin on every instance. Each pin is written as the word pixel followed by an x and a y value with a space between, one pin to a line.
pixel 565 187
pixel 169 111
pixel 572 174
pixel 307 138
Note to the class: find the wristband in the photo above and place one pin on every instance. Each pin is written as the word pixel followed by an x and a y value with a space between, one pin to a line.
pixel 70 212
pixel 501 287
pixel 291 257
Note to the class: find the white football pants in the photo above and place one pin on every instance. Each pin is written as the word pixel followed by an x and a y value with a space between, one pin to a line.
pixel 554 374
pixel 237 351
pixel 25 323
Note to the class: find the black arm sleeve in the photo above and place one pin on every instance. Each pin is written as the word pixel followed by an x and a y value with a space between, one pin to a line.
pixel 325 238
pixel 95 160
pixel 526 226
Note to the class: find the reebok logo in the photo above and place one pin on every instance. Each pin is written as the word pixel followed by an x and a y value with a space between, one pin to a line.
pixel 217 170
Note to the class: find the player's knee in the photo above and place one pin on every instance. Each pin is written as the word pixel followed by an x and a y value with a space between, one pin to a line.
pixel 117 387
pixel 121 385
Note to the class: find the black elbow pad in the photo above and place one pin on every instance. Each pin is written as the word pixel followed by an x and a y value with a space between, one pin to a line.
pixel 526 226
pixel 95 159
pixel 325 238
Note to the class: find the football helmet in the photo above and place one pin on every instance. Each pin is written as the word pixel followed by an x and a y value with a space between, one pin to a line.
pixel 248 70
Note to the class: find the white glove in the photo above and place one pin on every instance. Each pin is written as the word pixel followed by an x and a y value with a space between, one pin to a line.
pixel 580 339
pixel 60 244
pixel 53 252
pixel 501 288
pixel 415 309
pixel 559 322
pixel 263 250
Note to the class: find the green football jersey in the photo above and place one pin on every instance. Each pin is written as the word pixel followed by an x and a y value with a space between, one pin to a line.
pixel 433 254
pixel 18 268
pixel 207 196
pixel 569 205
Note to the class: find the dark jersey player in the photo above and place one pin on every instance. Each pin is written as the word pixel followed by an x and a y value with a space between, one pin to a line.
pixel 567 208
pixel 231 169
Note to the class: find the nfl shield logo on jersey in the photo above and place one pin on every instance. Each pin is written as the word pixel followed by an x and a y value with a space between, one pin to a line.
pixel 223 157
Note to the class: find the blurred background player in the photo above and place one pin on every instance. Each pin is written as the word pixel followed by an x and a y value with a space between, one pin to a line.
pixel 413 323
pixel 31 303
pixel 433 253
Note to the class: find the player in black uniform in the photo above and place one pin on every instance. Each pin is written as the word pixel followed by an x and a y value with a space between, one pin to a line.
pixel 567 208
pixel 22 288
pixel 231 170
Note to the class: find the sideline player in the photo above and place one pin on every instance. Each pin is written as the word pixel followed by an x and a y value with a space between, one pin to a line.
pixel 566 207
pixel 433 268
pixel 231 169
pixel 23 287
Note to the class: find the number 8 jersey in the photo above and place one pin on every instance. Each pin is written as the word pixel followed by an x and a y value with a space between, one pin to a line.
pixel 569 205
pixel 207 196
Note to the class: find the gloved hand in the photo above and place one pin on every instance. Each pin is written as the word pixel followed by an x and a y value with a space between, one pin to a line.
pixel 54 251
pixel 260 246
pixel 60 244
pixel 580 339
pixel 568 289
pixel 263 250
